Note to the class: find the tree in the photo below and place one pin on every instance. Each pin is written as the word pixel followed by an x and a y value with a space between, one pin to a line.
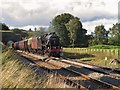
pixel 4 26
pixel 74 27
pixel 20 32
pixel 30 30
pixel 89 38
pixel 114 34
pixel 81 38
pixel 100 35
pixel 16 30
pixel 58 25
pixel 35 29
pixel 41 31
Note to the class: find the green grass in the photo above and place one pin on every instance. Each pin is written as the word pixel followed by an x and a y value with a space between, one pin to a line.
pixel 94 56
pixel 104 47
pixel 1 45
pixel 6 31
pixel 77 55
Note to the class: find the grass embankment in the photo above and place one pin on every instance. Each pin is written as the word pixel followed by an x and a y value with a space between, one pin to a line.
pixel 94 56
pixel 16 74
pixel 5 31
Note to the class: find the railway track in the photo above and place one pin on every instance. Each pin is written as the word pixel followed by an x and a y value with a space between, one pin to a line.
pixel 62 70
pixel 107 69
pixel 50 69
pixel 92 67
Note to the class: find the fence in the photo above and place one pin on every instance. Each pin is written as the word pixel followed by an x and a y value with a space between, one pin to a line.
pixel 115 52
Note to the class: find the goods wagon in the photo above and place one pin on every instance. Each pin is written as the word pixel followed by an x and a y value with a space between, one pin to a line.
pixel 21 45
pixel 16 45
pixel 26 45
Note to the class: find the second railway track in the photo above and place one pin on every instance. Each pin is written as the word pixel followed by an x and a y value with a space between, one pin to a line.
pixel 65 70
pixel 92 67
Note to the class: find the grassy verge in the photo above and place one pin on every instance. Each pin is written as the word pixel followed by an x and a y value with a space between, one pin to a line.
pixel 16 74
pixel 92 56
pixel 5 31
pixel 104 47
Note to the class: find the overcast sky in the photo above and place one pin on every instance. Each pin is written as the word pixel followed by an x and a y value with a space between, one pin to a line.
pixel 30 13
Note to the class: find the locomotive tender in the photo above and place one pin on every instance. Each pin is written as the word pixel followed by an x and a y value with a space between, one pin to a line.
pixel 46 44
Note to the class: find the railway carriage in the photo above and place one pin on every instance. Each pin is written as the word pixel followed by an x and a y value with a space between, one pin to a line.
pixel 29 44
pixel 16 45
pixel 36 46
pixel 26 45
pixel 21 45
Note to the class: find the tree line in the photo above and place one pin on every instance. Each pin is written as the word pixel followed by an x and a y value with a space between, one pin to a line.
pixel 101 36
pixel 72 33
pixel 3 26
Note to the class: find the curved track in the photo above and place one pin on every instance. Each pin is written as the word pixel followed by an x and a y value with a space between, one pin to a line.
pixel 70 71
pixel 95 68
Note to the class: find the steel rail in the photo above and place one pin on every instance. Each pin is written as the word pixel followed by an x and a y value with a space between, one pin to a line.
pixel 115 70
pixel 89 66
pixel 86 77
pixel 68 81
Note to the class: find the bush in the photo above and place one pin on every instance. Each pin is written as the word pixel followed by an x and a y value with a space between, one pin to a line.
pixel 16 30
pixel 3 26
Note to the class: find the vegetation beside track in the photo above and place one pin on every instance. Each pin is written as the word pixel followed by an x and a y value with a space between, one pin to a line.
pixel 94 56
pixel 16 74
pixel 104 47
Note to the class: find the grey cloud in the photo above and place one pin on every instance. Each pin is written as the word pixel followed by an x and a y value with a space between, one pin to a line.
pixel 17 15
pixel 103 3
pixel 14 10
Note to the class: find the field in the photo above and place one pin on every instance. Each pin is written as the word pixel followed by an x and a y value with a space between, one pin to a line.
pixel 95 56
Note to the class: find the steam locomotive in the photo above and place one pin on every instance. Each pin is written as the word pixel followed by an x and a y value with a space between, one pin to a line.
pixel 48 44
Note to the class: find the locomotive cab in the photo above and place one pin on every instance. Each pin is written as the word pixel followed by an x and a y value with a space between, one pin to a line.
pixel 53 45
